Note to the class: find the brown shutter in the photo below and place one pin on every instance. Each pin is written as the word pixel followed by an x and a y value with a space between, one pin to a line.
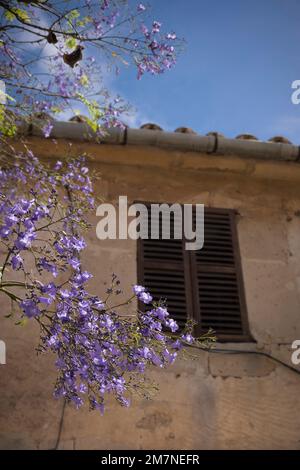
pixel 163 267
pixel 217 278
pixel 205 285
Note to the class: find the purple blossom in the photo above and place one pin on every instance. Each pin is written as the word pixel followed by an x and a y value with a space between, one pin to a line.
pixel 75 263
pixel 30 308
pixel 81 278
pixel 63 312
pixel 145 352
pixel 145 30
pixel 16 262
pixel 177 345
pixel 170 323
pixel 82 388
pixel 138 289
pixel 145 297
pixel 49 289
pixel 188 338
pixel 156 27
pixel 171 36
pixel 58 165
pixel 45 300
pixel 28 224
pixel 170 357
pixel 25 240
pixel 141 294
pixel 53 341
pixel 65 294
pixel 50 267
pixel 4 232
pixel 98 304
pixel 84 308
pixel 11 220
pixel 161 313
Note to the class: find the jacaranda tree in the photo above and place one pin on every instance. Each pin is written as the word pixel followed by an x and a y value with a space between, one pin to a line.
pixel 53 56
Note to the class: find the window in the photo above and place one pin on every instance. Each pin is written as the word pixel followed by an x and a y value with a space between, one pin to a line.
pixel 204 285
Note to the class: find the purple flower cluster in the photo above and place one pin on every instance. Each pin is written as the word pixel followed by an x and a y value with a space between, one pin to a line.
pixel 141 294
pixel 162 50
pixel 99 350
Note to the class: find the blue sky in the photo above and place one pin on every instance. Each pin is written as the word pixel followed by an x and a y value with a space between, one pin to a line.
pixel 235 74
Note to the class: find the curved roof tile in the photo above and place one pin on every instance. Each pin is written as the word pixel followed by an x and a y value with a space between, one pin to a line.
pixel 246 137
pixel 185 130
pixel 279 139
pixel 151 126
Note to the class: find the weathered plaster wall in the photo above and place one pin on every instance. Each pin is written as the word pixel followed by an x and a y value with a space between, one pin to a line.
pixel 215 401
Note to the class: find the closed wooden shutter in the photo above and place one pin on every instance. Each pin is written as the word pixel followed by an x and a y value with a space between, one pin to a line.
pixel 205 285
pixel 163 267
pixel 219 301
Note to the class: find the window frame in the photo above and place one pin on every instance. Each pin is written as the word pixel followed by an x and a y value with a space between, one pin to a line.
pixel 193 307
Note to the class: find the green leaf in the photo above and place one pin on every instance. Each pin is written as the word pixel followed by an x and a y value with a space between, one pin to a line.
pixel 84 80
pixel 10 16
pixel 6 95
pixel 7 126
pixel 83 21
pixel 73 15
pixel 17 13
pixel 71 43
pixel 22 14
pixel 93 125
pixel 55 109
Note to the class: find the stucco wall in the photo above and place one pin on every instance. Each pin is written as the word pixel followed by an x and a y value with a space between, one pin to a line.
pixel 214 401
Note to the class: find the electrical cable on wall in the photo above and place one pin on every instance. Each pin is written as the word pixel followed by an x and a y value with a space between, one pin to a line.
pixel 241 351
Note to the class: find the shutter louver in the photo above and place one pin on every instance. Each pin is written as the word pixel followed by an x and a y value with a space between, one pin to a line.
pixel 218 248
pixel 168 284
